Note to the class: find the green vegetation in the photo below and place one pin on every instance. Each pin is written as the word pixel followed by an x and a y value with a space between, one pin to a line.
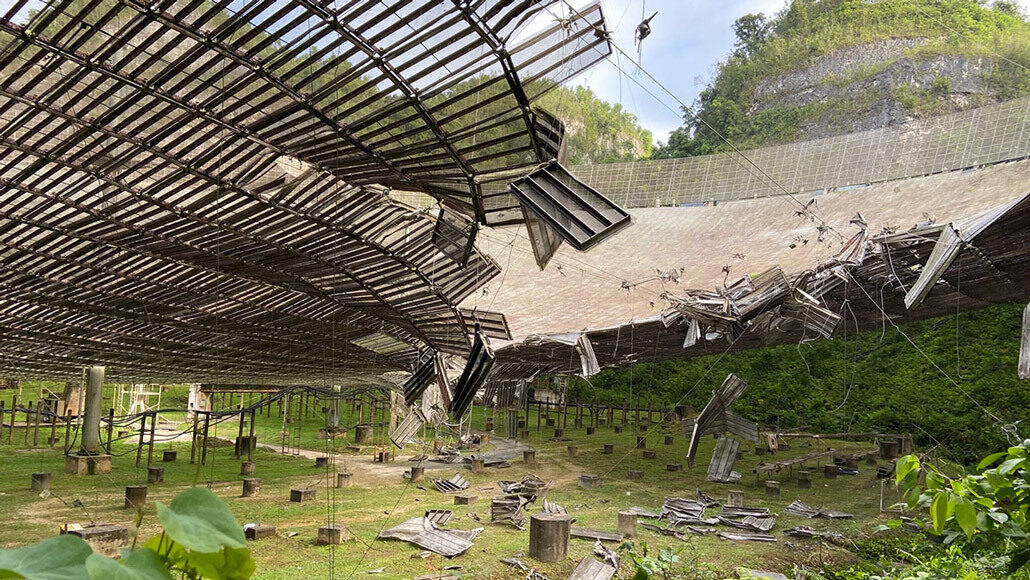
pixel 200 538
pixel 983 513
pixel 596 131
pixel 870 381
pixel 805 29
pixel 977 528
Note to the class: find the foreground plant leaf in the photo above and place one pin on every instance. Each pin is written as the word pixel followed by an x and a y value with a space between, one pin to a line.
pixel 141 564
pixel 58 558
pixel 200 521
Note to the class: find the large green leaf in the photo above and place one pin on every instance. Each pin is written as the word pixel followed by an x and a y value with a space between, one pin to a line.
pixel 965 515
pixel 1011 465
pixel 141 564
pixel 58 558
pixel 904 466
pixel 200 521
pixel 229 564
pixel 172 553
pixel 939 511
pixel 991 459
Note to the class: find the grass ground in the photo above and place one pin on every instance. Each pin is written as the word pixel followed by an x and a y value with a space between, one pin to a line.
pixel 376 502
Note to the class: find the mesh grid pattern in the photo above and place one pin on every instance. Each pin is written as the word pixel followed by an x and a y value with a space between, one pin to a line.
pixel 986 135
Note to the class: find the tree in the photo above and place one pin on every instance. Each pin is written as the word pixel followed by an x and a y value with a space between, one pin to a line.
pixel 751 31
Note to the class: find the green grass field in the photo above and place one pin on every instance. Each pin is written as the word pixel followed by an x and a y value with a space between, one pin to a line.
pixel 377 501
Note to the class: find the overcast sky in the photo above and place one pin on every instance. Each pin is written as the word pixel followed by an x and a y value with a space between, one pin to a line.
pixel 688 38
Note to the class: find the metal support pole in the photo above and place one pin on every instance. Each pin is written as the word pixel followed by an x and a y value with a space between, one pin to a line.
pixel 150 446
pixel 142 434
pixel 203 451
pixel 253 443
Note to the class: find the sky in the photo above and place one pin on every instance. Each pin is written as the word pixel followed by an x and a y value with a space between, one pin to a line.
pixel 688 38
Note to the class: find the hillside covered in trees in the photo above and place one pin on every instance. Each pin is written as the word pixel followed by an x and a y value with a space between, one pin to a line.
pixel 828 67
pixel 596 131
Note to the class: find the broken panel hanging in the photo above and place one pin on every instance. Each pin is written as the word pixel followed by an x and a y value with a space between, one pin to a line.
pixel 420 379
pixel 493 324
pixel 406 429
pixel 713 418
pixel 544 240
pixel 577 212
pixel 480 360
pixel 454 235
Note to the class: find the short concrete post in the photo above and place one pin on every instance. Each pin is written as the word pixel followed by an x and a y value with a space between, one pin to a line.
pixel 735 498
pixel 804 480
pixel 524 434
pixel 529 457
pixel 588 481
pixel 135 496
pixel 641 441
pixel 169 456
pixel 465 499
pixel 648 454
pixel 669 439
pixel 559 433
pixel 760 449
pixel 155 474
pixel 673 466
pixel 478 465
pixel 417 472
pixel 618 428
pixel 830 471
pixel 40 482
pixel 334 534
pixel 590 430
pixel 321 462
pixel 251 487
pixel 247 468
pixel 870 458
pixel 635 474
pixel 363 435
pixel 772 488
pixel 609 448
pixel 343 479
pixel 259 532
pixel 627 524
pixel 549 536
pixel 572 450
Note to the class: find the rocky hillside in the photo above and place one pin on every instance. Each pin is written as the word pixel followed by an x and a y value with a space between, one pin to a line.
pixel 827 67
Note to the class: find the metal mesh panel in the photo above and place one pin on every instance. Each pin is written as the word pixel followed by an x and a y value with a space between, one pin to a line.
pixel 991 134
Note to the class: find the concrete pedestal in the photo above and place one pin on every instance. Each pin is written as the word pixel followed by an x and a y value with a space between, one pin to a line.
pixel 82 464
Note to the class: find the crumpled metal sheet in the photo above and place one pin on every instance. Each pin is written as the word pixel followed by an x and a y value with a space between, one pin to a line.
pixel 423 533
pixel 592 569
pixel 798 508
